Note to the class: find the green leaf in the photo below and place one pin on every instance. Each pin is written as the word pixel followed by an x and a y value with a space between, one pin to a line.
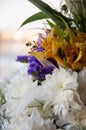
pixel 57 30
pixel 80 21
pixel 84 128
pixel 2 98
pixel 78 10
pixel 65 23
pixel 51 13
pixel 37 16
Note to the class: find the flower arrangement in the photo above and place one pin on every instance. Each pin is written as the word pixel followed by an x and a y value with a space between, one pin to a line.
pixel 51 92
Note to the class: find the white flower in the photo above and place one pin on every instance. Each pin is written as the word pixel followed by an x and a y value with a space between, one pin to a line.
pixel 65 100
pixel 60 91
pixel 82 77
pixel 17 85
pixel 82 84
pixel 12 76
pixel 76 120
pixel 58 95
pixel 62 79
pixel 34 122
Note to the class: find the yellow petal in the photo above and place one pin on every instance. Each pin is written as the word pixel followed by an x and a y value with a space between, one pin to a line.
pixel 58 60
pixel 79 56
pixel 77 66
pixel 38 55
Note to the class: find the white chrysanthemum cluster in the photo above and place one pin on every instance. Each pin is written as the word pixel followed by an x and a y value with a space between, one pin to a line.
pixel 14 88
pixel 82 84
pixel 34 122
pixel 60 90
pixel 57 96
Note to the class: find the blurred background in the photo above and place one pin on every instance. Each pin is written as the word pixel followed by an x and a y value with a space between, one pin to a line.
pixel 13 40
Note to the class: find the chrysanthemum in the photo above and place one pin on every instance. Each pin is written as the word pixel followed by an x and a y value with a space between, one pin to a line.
pixel 60 91
pixel 33 122
pixel 58 94
pixel 82 84
pixel 15 88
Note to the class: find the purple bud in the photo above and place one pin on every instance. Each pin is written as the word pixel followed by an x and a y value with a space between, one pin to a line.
pixel 23 58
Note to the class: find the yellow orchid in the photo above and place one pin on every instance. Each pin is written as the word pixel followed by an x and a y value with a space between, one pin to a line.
pixel 75 51
pixel 51 47
pixel 70 53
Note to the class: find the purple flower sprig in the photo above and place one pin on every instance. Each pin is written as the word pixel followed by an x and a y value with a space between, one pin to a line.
pixel 24 59
pixel 39 49
pixel 37 69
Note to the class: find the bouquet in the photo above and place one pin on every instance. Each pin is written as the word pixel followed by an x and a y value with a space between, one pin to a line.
pixel 49 91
